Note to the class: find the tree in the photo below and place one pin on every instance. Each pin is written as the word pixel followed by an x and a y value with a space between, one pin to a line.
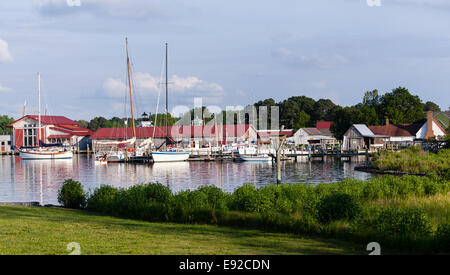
pixel 366 115
pixel 302 120
pixel 4 122
pixel 83 123
pixel 431 106
pixel 322 110
pixel 371 98
pixel 401 107
pixel 97 122
pixel 344 119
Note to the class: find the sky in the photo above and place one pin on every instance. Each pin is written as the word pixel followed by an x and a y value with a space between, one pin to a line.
pixel 228 52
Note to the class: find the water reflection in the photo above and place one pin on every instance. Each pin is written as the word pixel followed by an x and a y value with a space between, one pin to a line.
pixel 40 180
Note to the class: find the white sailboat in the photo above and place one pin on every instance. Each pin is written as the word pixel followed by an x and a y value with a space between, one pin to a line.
pixel 39 152
pixel 168 156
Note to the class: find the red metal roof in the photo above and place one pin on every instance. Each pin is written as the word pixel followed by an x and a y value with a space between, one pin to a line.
pixel 397 130
pixel 173 131
pixel 49 120
pixel 323 125
pixel 264 133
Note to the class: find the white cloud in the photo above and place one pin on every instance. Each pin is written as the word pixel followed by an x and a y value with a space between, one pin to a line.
pixel 184 87
pixel 4 89
pixel 5 55
pixel 114 88
pixel 323 61
pixel 134 9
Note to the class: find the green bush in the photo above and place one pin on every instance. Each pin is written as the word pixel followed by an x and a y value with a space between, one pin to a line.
pixel 247 198
pixel 71 195
pixel 149 202
pixel 442 237
pixel 337 207
pixel 201 205
pixel 102 200
pixel 410 224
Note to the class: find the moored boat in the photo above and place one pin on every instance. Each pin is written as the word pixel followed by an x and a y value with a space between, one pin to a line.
pixel 170 156
pixel 44 154
pixel 264 158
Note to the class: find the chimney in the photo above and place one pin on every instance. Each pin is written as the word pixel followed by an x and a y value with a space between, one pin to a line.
pixel 430 133
pixel 387 122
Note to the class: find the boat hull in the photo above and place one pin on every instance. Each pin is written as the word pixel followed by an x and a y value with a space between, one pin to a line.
pixel 170 156
pixel 45 155
pixel 257 158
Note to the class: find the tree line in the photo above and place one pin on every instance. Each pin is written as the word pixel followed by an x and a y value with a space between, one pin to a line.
pixel 399 106
pixel 296 112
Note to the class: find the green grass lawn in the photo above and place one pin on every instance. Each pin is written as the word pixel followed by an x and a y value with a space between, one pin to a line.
pixel 37 230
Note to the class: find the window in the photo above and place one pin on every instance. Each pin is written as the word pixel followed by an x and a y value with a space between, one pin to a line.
pixel 29 135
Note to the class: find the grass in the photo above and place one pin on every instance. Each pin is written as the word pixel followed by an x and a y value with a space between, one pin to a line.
pixel 38 230
pixel 437 206
pixel 414 160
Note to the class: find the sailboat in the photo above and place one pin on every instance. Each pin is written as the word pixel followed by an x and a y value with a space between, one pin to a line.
pixel 39 152
pixel 122 156
pixel 167 155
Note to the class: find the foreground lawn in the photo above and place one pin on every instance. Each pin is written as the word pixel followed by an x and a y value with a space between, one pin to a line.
pixel 37 230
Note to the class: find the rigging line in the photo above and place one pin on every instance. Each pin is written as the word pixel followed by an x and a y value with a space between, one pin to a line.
pixel 159 96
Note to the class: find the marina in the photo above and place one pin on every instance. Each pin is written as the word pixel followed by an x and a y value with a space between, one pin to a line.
pixel 39 180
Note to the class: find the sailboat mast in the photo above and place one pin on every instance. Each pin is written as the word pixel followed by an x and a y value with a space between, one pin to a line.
pixel 39 111
pixel 167 93
pixel 131 93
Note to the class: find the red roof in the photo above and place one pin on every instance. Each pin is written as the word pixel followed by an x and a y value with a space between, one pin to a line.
pixel 263 133
pixel 323 125
pixel 173 131
pixel 50 120
pixel 397 130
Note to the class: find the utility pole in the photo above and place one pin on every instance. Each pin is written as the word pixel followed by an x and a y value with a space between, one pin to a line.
pixel 281 141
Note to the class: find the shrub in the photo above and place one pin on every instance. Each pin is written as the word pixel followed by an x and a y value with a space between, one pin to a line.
pixel 247 198
pixel 102 200
pixel 71 195
pixel 337 207
pixel 201 205
pixel 149 202
pixel 410 224
pixel 442 237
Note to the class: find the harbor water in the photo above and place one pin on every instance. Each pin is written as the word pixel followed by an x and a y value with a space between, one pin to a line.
pixel 40 180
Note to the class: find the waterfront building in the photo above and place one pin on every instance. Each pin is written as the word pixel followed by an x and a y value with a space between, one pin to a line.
pixel 320 135
pixel 5 143
pixel 185 136
pixel 359 136
pixel 54 129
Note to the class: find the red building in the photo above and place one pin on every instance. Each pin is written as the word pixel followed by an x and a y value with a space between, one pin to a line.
pixel 54 129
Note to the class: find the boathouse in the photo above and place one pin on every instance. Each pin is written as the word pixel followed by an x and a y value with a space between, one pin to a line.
pixel 360 137
pixel 320 135
pixel 185 136
pixel 54 129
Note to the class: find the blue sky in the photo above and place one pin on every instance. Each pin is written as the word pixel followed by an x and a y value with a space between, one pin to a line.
pixel 227 52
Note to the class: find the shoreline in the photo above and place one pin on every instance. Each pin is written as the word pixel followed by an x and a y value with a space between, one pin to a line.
pixel 373 170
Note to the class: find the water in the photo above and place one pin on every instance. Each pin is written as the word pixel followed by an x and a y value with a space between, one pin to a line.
pixel 40 180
